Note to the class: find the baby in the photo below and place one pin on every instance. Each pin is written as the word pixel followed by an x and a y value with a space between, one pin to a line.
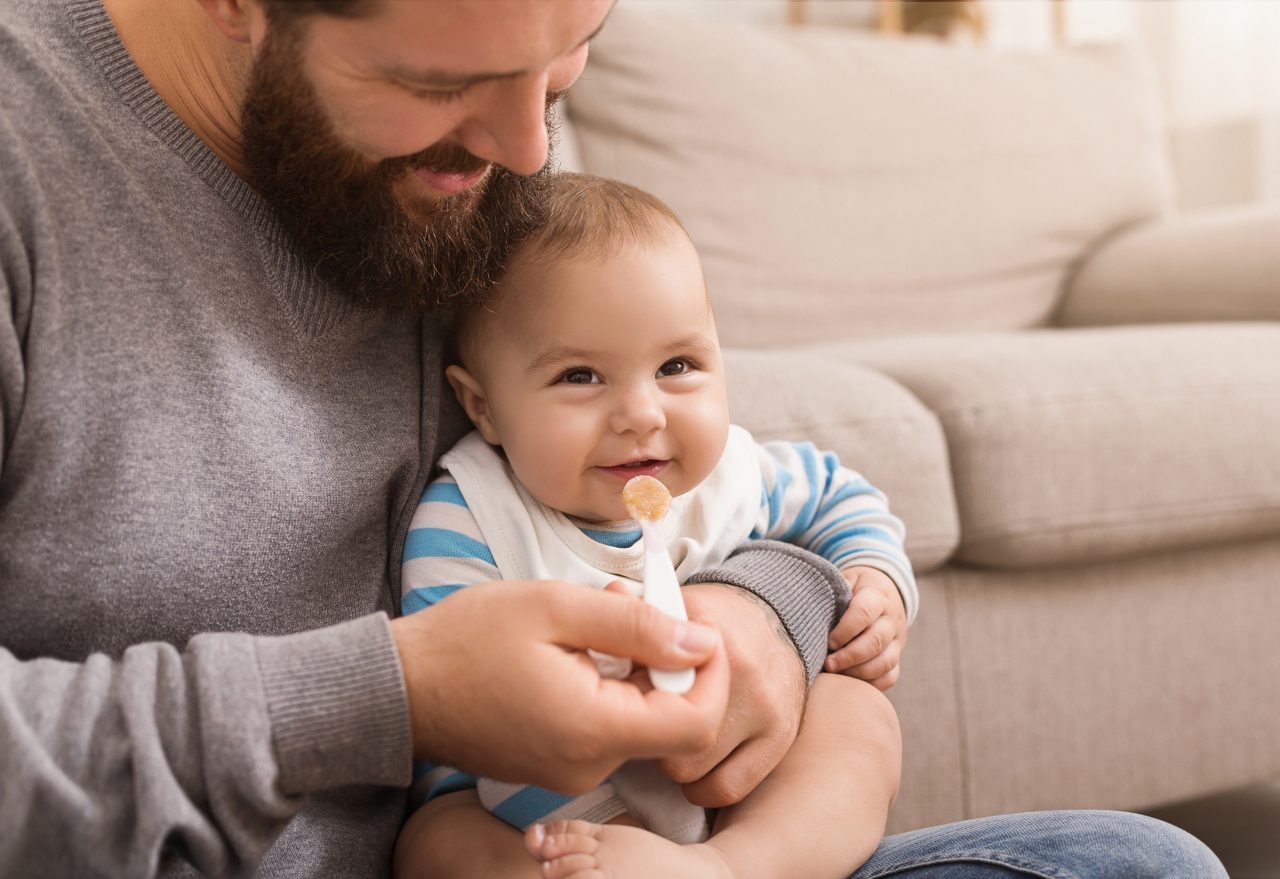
pixel 597 360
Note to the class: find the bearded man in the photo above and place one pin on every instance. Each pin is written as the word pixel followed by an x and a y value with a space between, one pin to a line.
pixel 229 230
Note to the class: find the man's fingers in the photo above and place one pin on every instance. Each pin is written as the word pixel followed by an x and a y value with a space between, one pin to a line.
pixel 619 588
pixel 865 608
pixel 736 776
pixel 608 623
pixel 687 768
pixel 659 724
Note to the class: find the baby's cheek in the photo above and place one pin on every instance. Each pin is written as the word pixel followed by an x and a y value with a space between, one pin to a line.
pixel 550 471
pixel 708 438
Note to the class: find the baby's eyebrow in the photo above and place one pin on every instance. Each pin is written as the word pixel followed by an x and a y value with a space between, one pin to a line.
pixel 567 354
pixel 697 342
pixel 560 355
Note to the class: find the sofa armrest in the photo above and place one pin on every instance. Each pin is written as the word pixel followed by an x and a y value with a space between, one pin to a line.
pixel 1221 265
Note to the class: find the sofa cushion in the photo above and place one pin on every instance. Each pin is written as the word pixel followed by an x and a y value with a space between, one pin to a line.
pixel 1160 272
pixel 839 183
pixel 874 424
pixel 1077 445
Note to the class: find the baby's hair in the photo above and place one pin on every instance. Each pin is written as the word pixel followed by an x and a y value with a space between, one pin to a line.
pixel 586 217
pixel 594 217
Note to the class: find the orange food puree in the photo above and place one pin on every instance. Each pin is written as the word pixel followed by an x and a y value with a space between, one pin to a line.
pixel 646 498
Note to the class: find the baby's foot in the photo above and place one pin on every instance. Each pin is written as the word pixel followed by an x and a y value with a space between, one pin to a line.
pixel 582 850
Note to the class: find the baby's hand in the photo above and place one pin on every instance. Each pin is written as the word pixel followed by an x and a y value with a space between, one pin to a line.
pixel 867 642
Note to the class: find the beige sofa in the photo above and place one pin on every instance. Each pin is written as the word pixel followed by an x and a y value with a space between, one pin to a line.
pixel 961 270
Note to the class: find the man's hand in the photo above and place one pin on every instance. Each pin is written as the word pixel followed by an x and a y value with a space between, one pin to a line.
pixel 500 685
pixel 766 698
pixel 869 639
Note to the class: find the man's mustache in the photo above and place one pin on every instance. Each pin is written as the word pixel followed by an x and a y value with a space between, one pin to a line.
pixel 443 158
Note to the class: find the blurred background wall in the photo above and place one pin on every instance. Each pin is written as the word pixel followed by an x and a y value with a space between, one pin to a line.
pixel 1217 62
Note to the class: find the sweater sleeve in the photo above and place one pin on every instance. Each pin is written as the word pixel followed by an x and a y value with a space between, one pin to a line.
pixel 112 767
pixel 806 592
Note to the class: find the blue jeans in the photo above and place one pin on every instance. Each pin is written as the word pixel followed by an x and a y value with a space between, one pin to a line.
pixel 1051 845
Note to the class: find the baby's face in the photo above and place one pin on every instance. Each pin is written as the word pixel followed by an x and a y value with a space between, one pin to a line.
pixel 597 371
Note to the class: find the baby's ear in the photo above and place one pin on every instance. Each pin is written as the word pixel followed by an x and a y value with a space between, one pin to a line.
pixel 470 393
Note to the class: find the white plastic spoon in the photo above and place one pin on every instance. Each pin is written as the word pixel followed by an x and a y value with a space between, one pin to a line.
pixel 647 500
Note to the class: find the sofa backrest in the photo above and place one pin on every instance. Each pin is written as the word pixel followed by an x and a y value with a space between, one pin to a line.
pixel 840 184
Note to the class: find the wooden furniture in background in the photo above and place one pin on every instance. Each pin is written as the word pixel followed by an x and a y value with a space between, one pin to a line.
pixel 942 18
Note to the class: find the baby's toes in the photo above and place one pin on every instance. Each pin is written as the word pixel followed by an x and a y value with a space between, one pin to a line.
pixel 561 838
pixel 579 866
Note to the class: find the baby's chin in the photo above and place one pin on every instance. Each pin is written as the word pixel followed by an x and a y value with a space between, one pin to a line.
pixel 597 516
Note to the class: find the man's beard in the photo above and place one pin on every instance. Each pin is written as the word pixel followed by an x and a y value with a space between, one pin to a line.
pixel 341 212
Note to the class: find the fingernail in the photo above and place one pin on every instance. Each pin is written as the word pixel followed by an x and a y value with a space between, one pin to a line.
pixel 539 834
pixel 694 637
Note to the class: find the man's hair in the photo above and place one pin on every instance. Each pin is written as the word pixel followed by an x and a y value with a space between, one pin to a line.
pixel 585 217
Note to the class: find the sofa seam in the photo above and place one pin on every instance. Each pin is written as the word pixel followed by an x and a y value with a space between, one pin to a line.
pixel 790 426
pixel 1130 393
pixel 1110 523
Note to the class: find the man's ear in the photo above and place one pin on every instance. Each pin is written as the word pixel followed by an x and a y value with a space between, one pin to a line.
pixel 237 19
pixel 470 394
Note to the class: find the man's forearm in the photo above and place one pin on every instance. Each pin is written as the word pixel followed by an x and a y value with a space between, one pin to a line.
pixel 806 592
pixel 110 765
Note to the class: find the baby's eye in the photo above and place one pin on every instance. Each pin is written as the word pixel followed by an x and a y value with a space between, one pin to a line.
pixel 579 375
pixel 675 366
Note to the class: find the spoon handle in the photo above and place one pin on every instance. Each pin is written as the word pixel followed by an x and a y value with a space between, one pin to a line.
pixel 662 590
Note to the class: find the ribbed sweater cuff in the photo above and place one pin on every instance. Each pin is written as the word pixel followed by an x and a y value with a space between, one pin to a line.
pixel 806 592
pixel 336 698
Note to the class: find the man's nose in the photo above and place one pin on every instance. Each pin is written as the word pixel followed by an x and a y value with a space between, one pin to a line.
pixel 638 410
pixel 511 129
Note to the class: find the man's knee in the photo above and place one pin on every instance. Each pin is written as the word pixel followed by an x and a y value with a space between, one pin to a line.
pixel 1154 849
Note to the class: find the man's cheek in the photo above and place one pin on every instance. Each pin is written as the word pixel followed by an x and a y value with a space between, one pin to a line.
pixel 380 126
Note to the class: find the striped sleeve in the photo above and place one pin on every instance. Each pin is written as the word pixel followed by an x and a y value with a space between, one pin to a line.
pixel 444 550
pixel 443 553
pixel 809 500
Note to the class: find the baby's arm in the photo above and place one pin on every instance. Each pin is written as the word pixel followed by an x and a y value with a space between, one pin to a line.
pixel 811 501
pixel 444 552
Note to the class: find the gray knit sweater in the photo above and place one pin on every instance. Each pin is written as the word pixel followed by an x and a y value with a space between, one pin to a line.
pixel 207 465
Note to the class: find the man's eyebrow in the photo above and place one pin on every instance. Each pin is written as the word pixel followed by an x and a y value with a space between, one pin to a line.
pixel 444 79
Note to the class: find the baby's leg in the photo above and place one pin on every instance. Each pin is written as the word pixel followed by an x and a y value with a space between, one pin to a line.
pixel 820 814
pixel 454 837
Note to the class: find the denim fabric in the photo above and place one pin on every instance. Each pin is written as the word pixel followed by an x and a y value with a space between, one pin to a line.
pixel 1051 845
